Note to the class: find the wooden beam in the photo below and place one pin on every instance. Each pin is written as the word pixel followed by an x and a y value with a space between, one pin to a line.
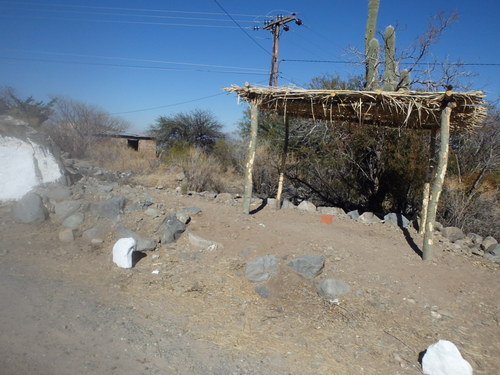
pixel 254 118
pixel 428 180
pixel 283 165
pixel 437 184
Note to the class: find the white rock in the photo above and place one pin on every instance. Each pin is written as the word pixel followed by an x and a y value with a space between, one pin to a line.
pixel 444 358
pixel 122 252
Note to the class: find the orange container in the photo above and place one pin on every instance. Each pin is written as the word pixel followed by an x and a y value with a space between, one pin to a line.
pixel 326 219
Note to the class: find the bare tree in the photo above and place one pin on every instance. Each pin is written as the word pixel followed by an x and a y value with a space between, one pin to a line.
pixel 74 125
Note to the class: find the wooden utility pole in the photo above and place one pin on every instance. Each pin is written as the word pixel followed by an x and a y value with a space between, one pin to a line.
pixel 275 27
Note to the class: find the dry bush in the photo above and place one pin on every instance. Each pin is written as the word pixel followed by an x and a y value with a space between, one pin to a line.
pixel 113 155
pixel 477 212
pixel 265 172
pixel 203 171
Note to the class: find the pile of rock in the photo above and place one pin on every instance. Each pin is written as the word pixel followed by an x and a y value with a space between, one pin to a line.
pixel 308 266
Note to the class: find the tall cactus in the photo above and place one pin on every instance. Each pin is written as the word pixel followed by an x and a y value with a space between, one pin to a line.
pixel 372 55
pixel 389 79
pixel 371 23
pixel 392 80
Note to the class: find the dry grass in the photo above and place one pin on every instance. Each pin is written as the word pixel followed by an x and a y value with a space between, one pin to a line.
pixel 119 157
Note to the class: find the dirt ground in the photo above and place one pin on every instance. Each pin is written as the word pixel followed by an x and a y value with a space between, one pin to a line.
pixel 67 309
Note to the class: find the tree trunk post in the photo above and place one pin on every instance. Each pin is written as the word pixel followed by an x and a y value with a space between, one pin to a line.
pixel 282 165
pixel 427 184
pixel 254 118
pixel 437 183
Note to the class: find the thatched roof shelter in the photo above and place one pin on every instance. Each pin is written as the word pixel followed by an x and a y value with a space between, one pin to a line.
pixel 411 109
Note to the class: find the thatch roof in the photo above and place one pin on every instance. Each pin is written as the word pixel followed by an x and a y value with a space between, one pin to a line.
pixel 412 109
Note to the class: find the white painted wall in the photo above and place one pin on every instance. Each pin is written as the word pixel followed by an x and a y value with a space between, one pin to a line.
pixel 23 166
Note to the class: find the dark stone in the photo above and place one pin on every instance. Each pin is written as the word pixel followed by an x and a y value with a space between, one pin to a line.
pixel 171 229
pixel 30 209
pixel 261 268
pixel 308 266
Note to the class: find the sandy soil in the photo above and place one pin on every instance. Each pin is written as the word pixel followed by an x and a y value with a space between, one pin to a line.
pixel 67 309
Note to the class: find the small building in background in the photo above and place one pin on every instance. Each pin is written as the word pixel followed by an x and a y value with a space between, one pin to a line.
pixel 137 142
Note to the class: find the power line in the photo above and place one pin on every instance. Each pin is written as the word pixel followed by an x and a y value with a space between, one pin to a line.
pixel 242 29
pixel 126 9
pixel 129 66
pixel 127 22
pixel 257 70
pixel 402 63
pixel 131 15
pixel 168 105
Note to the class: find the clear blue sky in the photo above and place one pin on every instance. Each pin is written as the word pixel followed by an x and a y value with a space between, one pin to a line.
pixel 127 56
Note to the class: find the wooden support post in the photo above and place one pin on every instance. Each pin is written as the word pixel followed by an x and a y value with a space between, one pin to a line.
pixel 427 184
pixel 254 118
pixel 437 183
pixel 283 165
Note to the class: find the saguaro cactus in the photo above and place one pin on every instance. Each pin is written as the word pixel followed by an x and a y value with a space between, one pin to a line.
pixel 389 79
pixel 371 23
pixel 371 48
pixel 372 55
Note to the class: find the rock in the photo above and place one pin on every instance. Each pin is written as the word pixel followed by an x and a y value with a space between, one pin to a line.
pixel 201 242
pixel 475 238
pixel 438 227
pixel 308 266
pixel 66 208
pixel 287 204
pixel 331 289
pixel 494 250
pixel 183 217
pixel 487 242
pixel 261 268
pixel 354 215
pixel 263 291
pixel 452 233
pixel 28 158
pixel 476 250
pixel 74 221
pixel 369 217
pixel 191 210
pixel 306 206
pixel 67 235
pixel 122 252
pixel 171 229
pixel 142 243
pixel 110 208
pixel 444 358
pixel 396 219
pixel 57 192
pixel 30 209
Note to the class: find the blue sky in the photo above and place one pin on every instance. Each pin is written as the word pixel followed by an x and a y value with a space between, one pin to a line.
pixel 143 59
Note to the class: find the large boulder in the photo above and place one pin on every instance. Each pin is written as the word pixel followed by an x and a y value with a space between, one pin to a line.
pixel 453 233
pixel 171 229
pixel 30 209
pixel 27 159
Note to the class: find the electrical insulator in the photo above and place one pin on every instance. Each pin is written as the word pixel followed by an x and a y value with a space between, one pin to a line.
pixel 286 28
pixel 298 21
